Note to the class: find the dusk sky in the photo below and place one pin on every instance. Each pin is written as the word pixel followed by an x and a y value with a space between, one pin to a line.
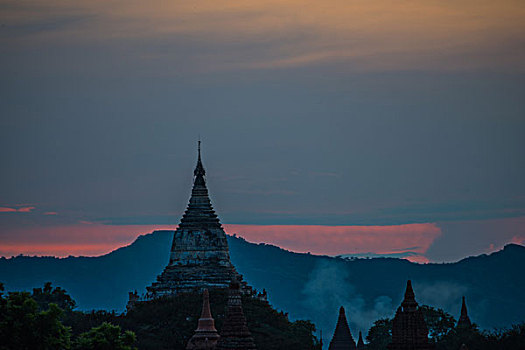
pixel 331 127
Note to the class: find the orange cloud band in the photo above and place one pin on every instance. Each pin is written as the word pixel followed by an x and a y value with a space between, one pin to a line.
pixel 16 210
pixel 96 239
pixel 337 240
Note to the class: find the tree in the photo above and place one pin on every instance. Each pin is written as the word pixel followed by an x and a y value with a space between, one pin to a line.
pixel 23 326
pixel 105 337
pixel 47 295
pixel 379 334
pixel 439 322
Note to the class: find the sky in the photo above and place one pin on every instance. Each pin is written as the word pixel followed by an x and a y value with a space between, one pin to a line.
pixel 334 127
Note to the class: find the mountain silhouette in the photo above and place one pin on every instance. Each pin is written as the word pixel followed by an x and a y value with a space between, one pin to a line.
pixel 304 285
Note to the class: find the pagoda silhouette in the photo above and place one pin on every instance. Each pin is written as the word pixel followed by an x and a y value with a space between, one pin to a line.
pixel 199 257
pixel 342 339
pixel 409 330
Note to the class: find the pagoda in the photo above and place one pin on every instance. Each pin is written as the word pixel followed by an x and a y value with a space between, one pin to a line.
pixel 464 320
pixel 206 336
pixel 199 256
pixel 235 334
pixel 342 339
pixel 360 342
pixel 409 330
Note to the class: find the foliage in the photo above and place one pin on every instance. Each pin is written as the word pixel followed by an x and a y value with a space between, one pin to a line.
pixel 47 295
pixel 105 337
pixel 379 334
pixel 171 322
pixel 24 326
pixel 34 322
pixel 438 321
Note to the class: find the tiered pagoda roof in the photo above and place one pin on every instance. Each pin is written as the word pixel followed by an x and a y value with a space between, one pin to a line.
pixel 199 256
pixel 342 339
pixel 235 334
pixel 199 214
pixel 409 330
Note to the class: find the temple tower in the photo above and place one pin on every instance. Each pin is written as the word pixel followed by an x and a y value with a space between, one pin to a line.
pixel 342 339
pixel 235 334
pixel 409 330
pixel 206 336
pixel 360 342
pixel 199 256
pixel 464 320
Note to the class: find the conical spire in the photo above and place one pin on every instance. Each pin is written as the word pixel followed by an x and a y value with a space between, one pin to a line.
pixel 464 320
pixel 206 322
pixel 206 336
pixel 200 213
pixel 409 303
pixel 342 339
pixel 199 169
pixel 360 342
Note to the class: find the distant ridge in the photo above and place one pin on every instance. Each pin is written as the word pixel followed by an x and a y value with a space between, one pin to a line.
pixel 492 283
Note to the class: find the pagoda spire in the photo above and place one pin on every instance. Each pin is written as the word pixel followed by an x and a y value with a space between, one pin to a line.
pixel 409 330
pixel 409 302
pixel 200 213
pixel 360 342
pixel 235 334
pixel 464 320
pixel 199 169
pixel 342 339
pixel 206 336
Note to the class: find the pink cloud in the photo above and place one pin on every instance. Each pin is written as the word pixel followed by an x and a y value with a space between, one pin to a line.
pixel 50 213
pixel 82 239
pixel 337 240
pixel 15 210
pixel 518 239
pixel 25 209
pixel 92 239
pixel 7 210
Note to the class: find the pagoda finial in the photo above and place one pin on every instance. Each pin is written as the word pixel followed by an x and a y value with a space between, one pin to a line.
pixel 409 301
pixel 199 171
pixel 464 320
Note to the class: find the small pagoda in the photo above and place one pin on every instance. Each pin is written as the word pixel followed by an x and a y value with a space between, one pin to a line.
pixel 409 330
pixel 342 339
pixel 360 342
pixel 199 256
pixel 235 334
pixel 206 336
pixel 464 320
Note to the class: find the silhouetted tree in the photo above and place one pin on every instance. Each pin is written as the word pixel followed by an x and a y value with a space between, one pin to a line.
pixel 105 337
pixel 47 295
pixel 379 334
pixel 24 326
pixel 439 322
